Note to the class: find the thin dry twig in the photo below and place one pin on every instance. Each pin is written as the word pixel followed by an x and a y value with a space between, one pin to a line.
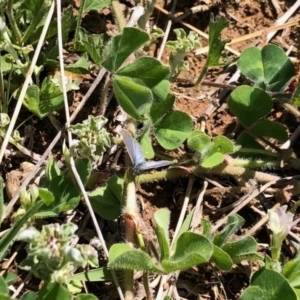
pixel 26 82
pixel 197 216
pixel 183 209
pixel 9 261
pixel 250 197
pixel 260 223
pixel 21 286
pixel 72 161
pixel 276 6
pixel 272 29
pixel 236 203
pixel 12 202
pixel 283 19
pixel 189 26
pixel 167 31
pixel 178 227
pixel 198 207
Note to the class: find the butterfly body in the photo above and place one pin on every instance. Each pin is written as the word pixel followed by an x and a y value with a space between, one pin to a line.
pixel 136 154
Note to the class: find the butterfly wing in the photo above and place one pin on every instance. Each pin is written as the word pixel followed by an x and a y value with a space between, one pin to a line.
pixel 155 164
pixel 135 153
pixel 134 149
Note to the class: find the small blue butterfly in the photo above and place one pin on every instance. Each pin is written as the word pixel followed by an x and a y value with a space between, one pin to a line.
pixel 136 155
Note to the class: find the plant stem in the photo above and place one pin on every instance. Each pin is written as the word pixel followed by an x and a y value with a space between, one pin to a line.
pixel 8 44
pixel 104 96
pixel 295 206
pixel 222 169
pixel 257 163
pixel 78 23
pixel 130 213
pixel 143 247
pixel 259 151
pixel 131 207
pixel 34 22
pixel 13 23
pixel 171 173
pixel 291 108
pixel 128 285
pixel 1 199
pixel 24 150
pixel 2 92
pixel 238 172
pixel 201 76
pixel 275 254
pixel 115 5
pixel 149 7
pixel 146 286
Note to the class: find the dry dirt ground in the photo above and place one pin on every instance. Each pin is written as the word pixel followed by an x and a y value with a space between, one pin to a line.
pixel 244 16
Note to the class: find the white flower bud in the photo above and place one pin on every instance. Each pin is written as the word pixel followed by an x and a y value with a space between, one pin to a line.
pixel 28 234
